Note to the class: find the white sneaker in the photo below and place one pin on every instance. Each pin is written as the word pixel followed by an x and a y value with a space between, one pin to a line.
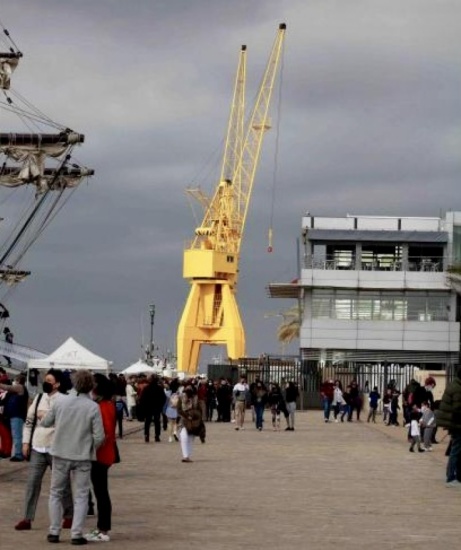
pixel 97 536
pixel 170 439
pixel 336 420
pixel 454 483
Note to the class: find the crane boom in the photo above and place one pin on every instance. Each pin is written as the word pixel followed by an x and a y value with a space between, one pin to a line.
pixel 211 261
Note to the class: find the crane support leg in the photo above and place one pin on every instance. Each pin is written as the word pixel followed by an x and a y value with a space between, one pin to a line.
pixel 211 316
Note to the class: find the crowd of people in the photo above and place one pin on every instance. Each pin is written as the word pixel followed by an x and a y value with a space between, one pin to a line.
pixel 156 400
pixel 70 426
pixel 422 415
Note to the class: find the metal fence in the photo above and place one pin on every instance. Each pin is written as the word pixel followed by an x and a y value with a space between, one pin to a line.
pixel 309 376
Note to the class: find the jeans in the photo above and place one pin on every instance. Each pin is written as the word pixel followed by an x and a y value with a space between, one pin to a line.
pixel 326 404
pixel 157 425
pixel 259 412
pixel 60 475
pixel 455 454
pixel 39 462
pixel 119 417
pixel 16 431
pixel 210 407
pixel 291 409
pixel 99 479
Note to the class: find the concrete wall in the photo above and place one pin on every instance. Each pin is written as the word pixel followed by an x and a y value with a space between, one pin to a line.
pixel 390 280
pixel 380 335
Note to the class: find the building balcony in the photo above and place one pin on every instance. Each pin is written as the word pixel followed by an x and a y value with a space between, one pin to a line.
pixel 414 263
pixel 414 274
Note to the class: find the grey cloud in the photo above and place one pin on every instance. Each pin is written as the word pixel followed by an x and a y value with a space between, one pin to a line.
pixel 370 104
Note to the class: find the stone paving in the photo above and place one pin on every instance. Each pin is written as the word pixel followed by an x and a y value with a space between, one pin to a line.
pixel 324 486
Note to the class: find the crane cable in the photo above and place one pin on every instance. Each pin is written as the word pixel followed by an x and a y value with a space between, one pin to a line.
pixel 276 155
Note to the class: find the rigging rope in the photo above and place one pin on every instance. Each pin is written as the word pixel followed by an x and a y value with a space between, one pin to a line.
pixel 7 34
pixel 34 211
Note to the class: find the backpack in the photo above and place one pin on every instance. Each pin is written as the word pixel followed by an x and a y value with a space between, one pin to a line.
pixel 174 401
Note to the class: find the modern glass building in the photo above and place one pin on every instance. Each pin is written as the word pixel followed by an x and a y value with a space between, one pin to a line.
pixel 378 290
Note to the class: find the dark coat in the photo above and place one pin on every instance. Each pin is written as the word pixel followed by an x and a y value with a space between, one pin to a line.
pixel 449 413
pixel 152 399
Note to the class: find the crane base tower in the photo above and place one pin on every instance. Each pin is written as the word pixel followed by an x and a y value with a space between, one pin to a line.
pixel 205 322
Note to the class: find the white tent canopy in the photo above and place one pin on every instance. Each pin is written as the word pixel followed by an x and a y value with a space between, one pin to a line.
pixel 138 368
pixel 71 356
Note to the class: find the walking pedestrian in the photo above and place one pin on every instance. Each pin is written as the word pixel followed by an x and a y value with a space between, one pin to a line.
pixel 210 400
pixel 427 425
pixel 103 392
pixel 259 400
pixel 17 402
pixel 387 405
pixel 415 433
pixel 338 399
pixel 131 399
pixel 190 415
pixel 37 441
pixel 240 392
pixel 78 432
pixel 171 409
pixel 355 403
pixel 448 416
pixel 373 400
pixel 276 404
pixel 151 403
pixel 291 396
pixel 326 396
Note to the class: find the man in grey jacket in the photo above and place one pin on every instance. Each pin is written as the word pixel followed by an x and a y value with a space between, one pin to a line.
pixel 78 433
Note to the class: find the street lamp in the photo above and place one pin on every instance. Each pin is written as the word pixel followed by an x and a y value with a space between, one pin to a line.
pixel 151 345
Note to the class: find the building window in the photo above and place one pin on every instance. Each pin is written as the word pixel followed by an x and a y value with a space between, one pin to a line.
pixel 380 305
pixel 457 244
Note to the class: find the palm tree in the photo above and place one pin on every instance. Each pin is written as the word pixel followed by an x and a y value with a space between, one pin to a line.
pixel 290 327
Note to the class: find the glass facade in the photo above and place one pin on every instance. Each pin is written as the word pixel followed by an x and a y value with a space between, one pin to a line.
pixel 353 305
pixel 457 244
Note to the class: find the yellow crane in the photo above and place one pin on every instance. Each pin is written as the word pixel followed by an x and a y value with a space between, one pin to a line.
pixel 211 315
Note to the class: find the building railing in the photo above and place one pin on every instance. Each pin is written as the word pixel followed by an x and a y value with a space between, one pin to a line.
pixel 414 263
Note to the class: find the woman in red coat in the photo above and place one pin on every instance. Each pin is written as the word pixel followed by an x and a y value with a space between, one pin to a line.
pixel 105 457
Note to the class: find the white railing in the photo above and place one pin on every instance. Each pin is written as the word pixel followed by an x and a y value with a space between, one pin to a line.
pixel 412 264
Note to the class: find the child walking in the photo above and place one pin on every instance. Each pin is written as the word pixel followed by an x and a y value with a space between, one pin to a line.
pixel 427 424
pixel 373 398
pixel 415 432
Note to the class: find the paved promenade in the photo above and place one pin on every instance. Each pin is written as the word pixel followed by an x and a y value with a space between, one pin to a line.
pixel 324 486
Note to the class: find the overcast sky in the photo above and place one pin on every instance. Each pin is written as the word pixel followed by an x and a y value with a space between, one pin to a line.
pixel 370 123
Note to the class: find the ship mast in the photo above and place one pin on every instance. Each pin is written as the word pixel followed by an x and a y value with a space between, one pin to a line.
pixel 25 161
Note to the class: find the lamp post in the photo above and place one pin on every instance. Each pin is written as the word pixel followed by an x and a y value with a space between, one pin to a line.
pixel 151 344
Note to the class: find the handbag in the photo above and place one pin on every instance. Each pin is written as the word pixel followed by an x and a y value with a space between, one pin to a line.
pixel 34 425
pixel 192 421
